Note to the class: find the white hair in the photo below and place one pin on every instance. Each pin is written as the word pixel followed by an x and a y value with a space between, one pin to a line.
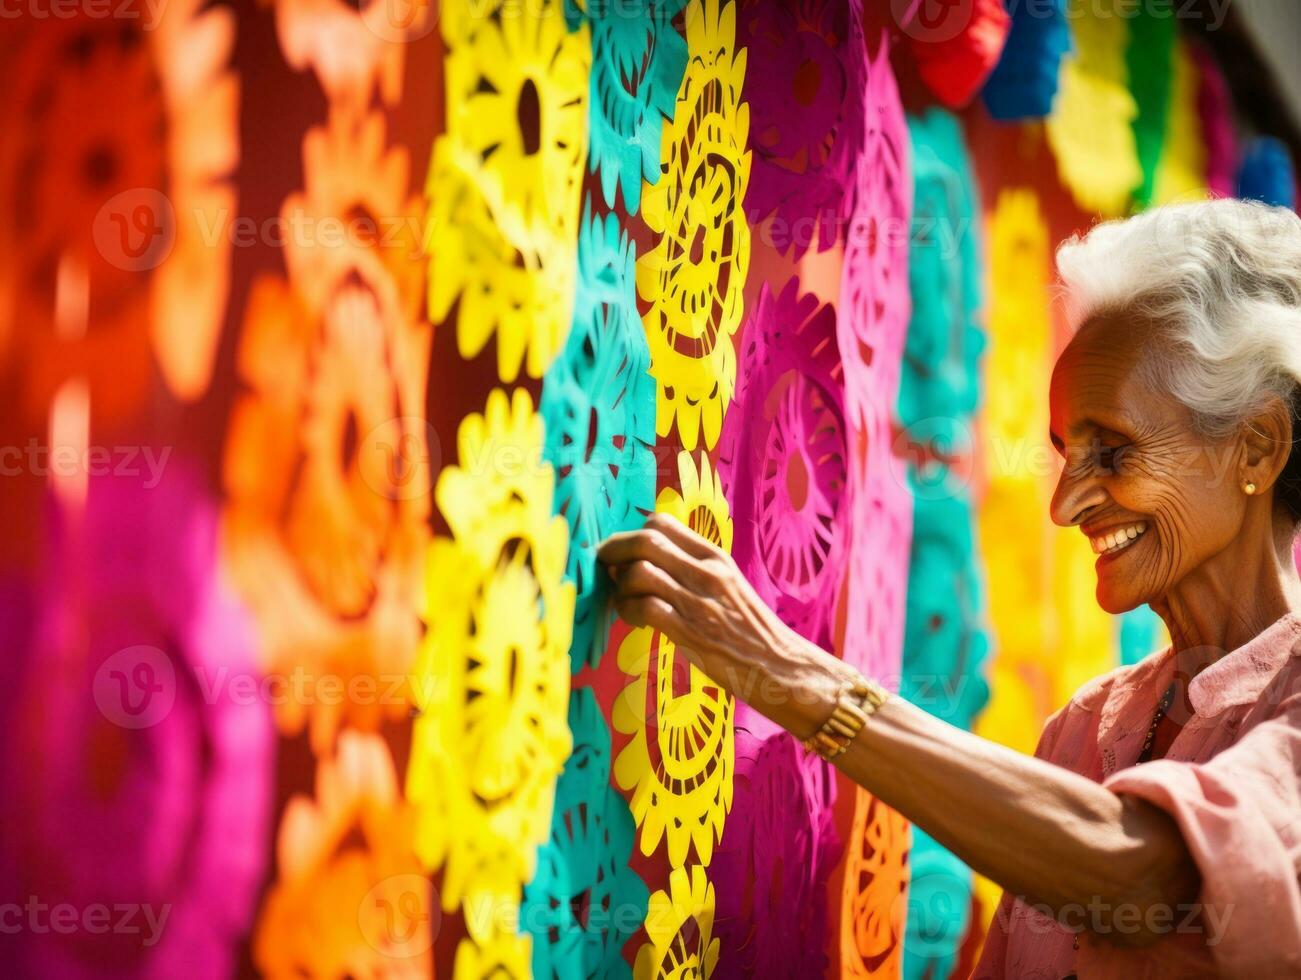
pixel 1221 280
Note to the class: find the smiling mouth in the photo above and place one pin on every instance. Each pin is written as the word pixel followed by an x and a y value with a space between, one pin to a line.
pixel 1114 542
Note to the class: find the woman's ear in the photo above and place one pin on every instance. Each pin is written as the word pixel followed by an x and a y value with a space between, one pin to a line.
pixel 1266 444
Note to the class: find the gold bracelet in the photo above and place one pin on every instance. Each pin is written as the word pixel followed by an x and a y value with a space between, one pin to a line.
pixel 856 702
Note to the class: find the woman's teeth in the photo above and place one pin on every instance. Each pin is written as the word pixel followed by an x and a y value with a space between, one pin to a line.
pixel 1118 540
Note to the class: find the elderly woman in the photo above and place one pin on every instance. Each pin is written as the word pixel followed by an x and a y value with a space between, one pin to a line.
pixel 1157 830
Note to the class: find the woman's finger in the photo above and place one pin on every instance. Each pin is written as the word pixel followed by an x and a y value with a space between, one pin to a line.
pixel 652 611
pixel 649 545
pixel 638 578
pixel 688 540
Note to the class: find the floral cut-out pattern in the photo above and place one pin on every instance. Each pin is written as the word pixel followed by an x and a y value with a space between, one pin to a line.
pixel 691 280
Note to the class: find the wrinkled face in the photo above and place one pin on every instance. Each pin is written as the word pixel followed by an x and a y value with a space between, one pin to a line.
pixel 1155 497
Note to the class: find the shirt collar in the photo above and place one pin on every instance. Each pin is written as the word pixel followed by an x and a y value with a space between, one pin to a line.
pixel 1240 676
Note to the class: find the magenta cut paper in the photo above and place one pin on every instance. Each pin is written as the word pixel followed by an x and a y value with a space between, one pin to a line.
pixel 805 90
pixel 783 459
pixel 771 869
pixel 148 771
pixel 876 305
pixel 1215 107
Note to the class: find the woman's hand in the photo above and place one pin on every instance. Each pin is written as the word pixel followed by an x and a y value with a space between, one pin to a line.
pixel 669 578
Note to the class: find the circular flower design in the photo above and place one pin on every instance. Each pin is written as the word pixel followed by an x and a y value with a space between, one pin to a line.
pixel 679 927
pixel 350 898
pixel 519 288
pixel 638 58
pixel 517 102
pixel 161 795
pixel 584 895
pixel 1091 128
pixel 121 138
pixel 679 761
pixel 493 678
pixel 598 403
pixel 774 861
pixel 784 456
pixel 806 116
pixel 876 883
pixel 691 281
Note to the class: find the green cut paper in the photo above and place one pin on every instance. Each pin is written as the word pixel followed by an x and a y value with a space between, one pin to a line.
pixel 1150 62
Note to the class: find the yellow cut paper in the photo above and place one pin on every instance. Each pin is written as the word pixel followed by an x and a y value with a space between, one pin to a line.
pixel 679 763
pixel 492 680
pixel 1091 126
pixel 502 956
pixel 679 926
pixel 1015 533
pixel 694 275
pixel 1181 174
pixel 505 184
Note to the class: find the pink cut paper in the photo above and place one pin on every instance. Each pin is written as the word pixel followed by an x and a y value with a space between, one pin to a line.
pixel 806 116
pixel 875 307
pixel 1215 106
pixel 783 459
pixel 139 687
pixel 772 866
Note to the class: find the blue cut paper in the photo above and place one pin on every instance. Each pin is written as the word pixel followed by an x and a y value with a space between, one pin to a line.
pixel 1024 82
pixel 1267 173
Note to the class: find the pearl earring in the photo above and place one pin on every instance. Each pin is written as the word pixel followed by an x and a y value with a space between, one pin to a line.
pixel 1249 488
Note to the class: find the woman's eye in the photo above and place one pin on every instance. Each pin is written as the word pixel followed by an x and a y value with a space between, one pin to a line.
pixel 1109 459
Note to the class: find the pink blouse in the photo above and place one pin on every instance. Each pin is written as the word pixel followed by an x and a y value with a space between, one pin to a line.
pixel 1230 781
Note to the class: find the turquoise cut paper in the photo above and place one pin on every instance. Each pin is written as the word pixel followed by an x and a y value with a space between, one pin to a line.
pixel 939 909
pixel 941 366
pixel 638 59
pixel 598 405
pixel 585 901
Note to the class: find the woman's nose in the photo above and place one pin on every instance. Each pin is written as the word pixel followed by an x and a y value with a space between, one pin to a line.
pixel 1079 490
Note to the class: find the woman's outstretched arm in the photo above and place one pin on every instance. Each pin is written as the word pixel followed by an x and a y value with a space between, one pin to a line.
pixel 1040 831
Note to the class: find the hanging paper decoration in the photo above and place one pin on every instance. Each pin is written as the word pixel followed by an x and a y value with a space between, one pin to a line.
pixel 116 186
pixel 874 309
pixel 806 117
pixel 939 908
pixel 585 901
pixel 774 860
pixel 1019 464
pixel 598 404
pixel 876 883
pixel 679 761
pixel 139 775
pixel 505 194
pixel 637 63
pixel 941 378
pixel 679 926
pixel 1091 126
pixel 944 642
pixel 492 680
pixel 325 521
pixel 352 49
pixel 692 279
pixel 1150 64
pixel 1024 83
pixel 348 847
pixel 956 45
pixel 1215 106
pixel 1181 174
pixel 784 457
pixel 1267 174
